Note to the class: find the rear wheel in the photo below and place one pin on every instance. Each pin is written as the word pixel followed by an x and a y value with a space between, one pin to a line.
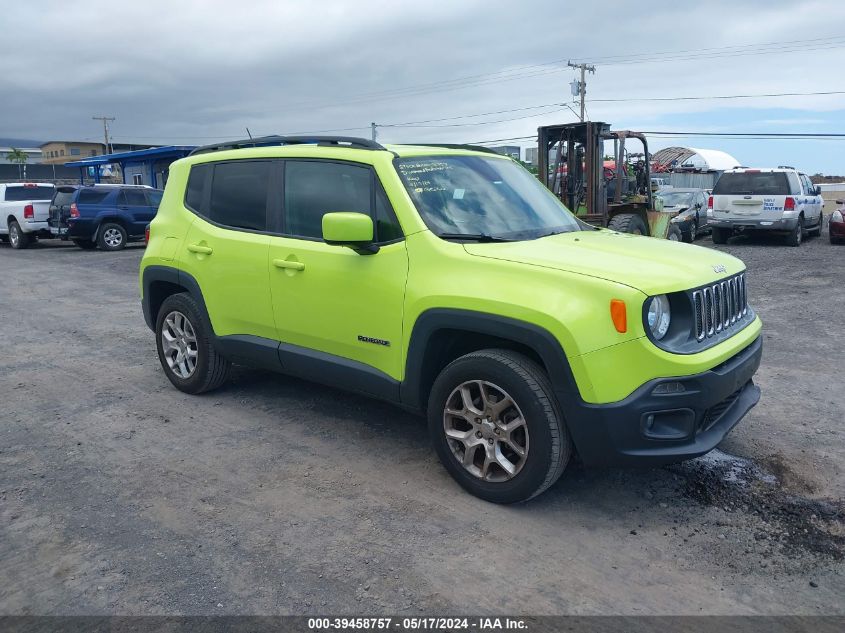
pixel 720 236
pixel 496 426
pixel 816 231
pixel 86 244
pixel 184 340
pixel 17 238
pixel 628 223
pixel 797 234
pixel 112 237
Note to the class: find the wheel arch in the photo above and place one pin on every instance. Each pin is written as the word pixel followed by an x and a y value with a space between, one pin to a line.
pixel 441 335
pixel 160 282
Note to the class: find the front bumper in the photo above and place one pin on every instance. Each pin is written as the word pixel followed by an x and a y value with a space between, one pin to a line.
pixel 650 429
pixel 753 224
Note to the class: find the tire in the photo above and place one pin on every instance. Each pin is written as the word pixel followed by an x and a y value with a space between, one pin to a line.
pixel 210 369
pixel 816 231
pixel 689 237
pixel 797 235
pixel 111 236
pixel 720 236
pixel 17 238
pixel 628 223
pixel 86 244
pixel 673 233
pixel 542 437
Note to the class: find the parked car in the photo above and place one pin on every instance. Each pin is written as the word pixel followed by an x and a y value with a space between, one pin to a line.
pixel 691 205
pixel 108 216
pixel 836 226
pixel 448 281
pixel 23 212
pixel 659 183
pixel 781 200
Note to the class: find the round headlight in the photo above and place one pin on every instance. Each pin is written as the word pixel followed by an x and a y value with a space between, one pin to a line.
pixel 659 315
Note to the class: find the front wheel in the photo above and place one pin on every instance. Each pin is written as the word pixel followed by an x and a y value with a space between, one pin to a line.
pixel 673 233
pixel 496 426
pixel 628 223
pixel 17 238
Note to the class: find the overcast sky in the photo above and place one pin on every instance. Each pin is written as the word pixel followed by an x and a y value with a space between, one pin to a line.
pixel 196 72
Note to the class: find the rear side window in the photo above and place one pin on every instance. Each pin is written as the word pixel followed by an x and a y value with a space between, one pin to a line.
pixel 752 183
pixel 132 198
pixel 20 194
pixel 91 196
pixel 155 197
pixel 63 197
pixel 239 194
pixel 200 174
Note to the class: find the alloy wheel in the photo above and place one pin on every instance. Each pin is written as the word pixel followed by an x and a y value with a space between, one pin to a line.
pixel 179 344
pixel 486 431
pixel 112 237
pixel 14 235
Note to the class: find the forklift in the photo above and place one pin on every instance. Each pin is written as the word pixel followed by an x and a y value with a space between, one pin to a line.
pixel 616 192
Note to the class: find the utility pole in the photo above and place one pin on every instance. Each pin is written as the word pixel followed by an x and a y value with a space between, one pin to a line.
pixel 582 85
pixel 373 131
pixel 105 120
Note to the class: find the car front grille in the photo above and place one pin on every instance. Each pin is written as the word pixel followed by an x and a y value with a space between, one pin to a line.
pixel 719 307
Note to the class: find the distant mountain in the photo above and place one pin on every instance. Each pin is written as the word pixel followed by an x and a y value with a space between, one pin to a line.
pixel 19 142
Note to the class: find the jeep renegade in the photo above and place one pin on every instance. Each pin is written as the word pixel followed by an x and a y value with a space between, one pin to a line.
pixel 449 281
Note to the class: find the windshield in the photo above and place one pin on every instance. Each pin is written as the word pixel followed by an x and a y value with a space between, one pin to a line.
pixel 676 198
pixel 773 183
pixel 479 196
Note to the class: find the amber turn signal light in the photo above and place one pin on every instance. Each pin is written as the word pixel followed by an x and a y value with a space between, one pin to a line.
pixel 619 315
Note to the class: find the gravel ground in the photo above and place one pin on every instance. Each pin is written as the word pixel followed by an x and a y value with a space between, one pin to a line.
pixel 121 495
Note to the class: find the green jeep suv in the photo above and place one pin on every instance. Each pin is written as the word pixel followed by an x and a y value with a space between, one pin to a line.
pixel 449 281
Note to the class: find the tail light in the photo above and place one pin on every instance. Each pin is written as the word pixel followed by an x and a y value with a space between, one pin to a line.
pixel 147 235
pixel 789 204
pixel 710 202
pixel 29 212
pixel 74 211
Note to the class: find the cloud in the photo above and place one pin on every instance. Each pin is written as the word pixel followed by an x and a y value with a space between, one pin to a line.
pixel 199 71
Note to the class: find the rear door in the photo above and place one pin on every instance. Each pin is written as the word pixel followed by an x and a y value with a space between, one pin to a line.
pixel 750 194
pixel 227 245
pixel 60 208
pixel 134 207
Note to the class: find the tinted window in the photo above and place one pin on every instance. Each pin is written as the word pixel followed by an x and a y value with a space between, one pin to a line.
pixel 133 198
pixel 19 194
pixel 196 187
pixel 63 197
pixel 155 197
pixel 313 189
pixel 91 196
pixel 239 194
pixel 752 183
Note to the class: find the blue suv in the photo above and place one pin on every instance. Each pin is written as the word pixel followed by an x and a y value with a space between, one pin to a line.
pixel 107 216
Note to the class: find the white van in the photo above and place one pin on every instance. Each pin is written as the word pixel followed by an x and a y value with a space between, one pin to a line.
pixel 780 199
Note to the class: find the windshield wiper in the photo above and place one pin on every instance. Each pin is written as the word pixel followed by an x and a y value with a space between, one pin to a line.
pixel 475 237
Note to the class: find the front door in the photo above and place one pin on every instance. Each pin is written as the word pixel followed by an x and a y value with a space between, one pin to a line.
pixel 329 298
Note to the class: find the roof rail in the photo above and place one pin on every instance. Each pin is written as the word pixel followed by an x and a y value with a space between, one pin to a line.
pixel 267 141
pixel 474 148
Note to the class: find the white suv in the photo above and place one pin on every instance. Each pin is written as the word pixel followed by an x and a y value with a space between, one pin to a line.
pixel 780 199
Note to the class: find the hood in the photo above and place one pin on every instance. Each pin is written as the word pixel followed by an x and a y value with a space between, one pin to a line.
pixel 651 265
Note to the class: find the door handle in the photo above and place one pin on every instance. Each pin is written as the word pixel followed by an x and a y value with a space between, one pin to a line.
pixel 196 248
pixel 285 263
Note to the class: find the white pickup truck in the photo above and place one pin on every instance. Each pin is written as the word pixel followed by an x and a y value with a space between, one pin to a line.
pixel 24 210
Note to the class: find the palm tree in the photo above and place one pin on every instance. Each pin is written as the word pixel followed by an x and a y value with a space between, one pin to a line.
pixel 19 157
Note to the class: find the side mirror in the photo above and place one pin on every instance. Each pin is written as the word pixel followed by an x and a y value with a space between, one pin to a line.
pixel 345 228
pixel 818 191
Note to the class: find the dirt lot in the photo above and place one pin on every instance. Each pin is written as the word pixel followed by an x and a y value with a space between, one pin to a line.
pixel 119 494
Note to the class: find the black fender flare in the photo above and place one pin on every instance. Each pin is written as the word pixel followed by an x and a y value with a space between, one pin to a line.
pixel 173 276
pixel 539 340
